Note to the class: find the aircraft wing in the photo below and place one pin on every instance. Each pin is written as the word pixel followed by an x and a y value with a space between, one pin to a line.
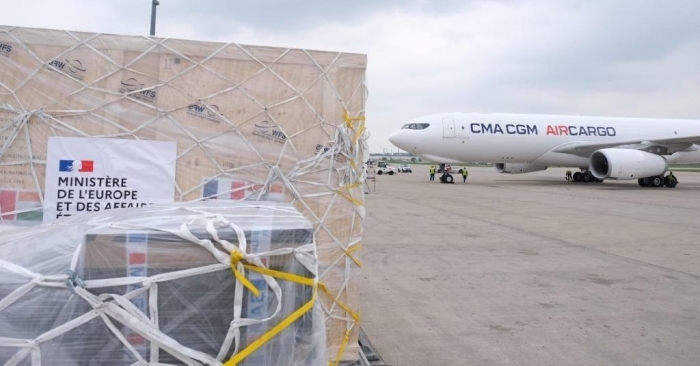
pixel 671 144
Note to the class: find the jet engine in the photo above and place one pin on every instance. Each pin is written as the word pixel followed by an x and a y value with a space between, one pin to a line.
pixel 626 164
pixel 518 168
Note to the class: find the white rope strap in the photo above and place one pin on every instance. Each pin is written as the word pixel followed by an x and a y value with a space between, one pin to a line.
pixel 113 307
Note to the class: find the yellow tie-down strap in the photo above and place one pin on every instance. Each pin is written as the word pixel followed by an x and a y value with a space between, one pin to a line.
pixel 355 317
pixel 236 258
pixel 347 195
pixel 348 122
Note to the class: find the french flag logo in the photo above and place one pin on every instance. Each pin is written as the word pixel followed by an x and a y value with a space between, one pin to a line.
pixel 83 166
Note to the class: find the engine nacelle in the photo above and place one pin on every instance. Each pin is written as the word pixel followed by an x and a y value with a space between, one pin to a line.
pixel 518 168
pixel 626 164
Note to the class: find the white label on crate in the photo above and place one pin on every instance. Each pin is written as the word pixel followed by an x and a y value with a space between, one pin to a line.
pixel 137 266
pixel 95 174
pixel 260 239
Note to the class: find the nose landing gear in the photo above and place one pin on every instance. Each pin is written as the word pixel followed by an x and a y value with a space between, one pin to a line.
pixel 446 178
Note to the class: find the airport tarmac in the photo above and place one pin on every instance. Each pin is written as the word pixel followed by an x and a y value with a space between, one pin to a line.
pixel 531 270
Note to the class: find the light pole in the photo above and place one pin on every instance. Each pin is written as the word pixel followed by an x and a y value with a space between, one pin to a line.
pixel 153 16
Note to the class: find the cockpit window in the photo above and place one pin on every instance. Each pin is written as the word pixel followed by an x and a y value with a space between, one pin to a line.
pixel 416 126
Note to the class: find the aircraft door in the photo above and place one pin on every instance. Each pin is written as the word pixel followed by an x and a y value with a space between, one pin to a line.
pixel 462 129
pixel 448 128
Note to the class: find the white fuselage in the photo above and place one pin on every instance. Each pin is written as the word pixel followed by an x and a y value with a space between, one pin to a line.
pixel 530 139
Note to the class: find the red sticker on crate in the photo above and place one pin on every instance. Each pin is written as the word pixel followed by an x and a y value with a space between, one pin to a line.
pixel 137 258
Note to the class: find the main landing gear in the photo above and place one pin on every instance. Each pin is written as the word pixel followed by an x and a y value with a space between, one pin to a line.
pixel 586 177
pixel 658 181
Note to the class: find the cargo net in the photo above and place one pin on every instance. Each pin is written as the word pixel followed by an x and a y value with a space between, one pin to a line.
pixel 135 328
pixel 250 123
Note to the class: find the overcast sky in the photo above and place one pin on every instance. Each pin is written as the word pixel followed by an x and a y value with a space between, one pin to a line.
pixel 637 58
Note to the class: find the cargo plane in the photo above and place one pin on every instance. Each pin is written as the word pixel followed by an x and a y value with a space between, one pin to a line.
pixel 601 147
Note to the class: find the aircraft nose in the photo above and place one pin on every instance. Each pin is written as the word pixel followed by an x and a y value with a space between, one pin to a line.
pixel 395 139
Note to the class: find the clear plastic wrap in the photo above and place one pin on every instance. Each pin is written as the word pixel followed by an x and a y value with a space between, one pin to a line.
pixel 156 286
pixel 249 123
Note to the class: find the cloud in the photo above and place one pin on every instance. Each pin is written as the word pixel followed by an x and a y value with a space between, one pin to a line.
pixel 275 16
pixel 621 58
pixel 121 17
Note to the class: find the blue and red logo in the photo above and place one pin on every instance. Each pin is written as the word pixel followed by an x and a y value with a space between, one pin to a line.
pixel 83 166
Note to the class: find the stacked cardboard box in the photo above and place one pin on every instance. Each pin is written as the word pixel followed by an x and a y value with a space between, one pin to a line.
pixel 169 283
pixel 250 122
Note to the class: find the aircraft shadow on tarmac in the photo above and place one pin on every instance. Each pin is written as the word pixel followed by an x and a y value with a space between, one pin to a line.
pixel 612 186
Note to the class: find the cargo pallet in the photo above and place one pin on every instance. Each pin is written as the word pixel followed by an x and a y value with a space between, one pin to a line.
pixel 368 355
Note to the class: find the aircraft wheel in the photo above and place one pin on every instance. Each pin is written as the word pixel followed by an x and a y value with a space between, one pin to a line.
pixel 577 177
pixel 669 184
pixel 587 177
pixel 657 182
pixel 642 182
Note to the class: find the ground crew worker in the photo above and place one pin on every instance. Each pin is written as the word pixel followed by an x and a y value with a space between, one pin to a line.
pixel 569 177
pixel 465 173
pixel 672 178
pixel 432 172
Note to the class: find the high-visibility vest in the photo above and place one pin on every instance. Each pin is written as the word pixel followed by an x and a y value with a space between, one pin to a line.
pixel 465 172
pixel 432 170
